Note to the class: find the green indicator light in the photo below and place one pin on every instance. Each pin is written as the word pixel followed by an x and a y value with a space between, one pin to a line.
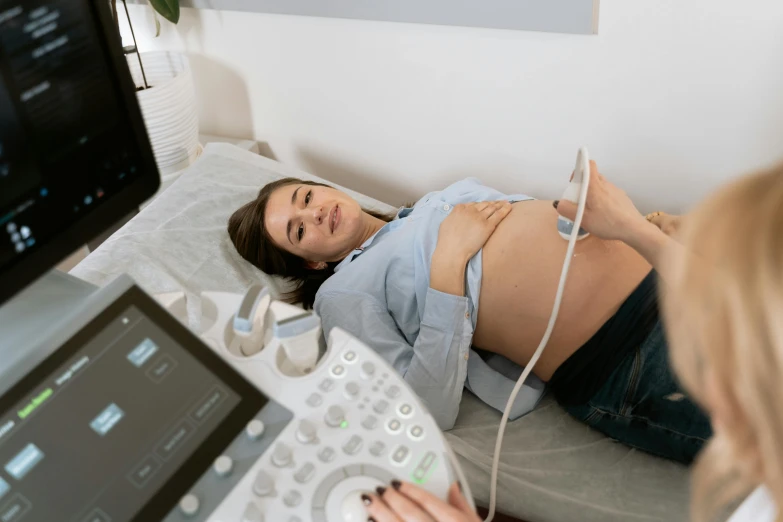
pixel 344 424
pixel 425 469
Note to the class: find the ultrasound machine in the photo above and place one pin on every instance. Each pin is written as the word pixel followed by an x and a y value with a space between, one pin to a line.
pixel 110 409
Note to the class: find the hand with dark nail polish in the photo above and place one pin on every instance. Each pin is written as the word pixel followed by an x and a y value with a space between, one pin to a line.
pixel 404 501
pixel 366 499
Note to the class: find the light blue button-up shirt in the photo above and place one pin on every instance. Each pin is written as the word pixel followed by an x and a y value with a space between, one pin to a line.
pixel 381 294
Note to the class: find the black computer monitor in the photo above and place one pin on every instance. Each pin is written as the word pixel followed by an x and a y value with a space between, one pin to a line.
pixel 74 152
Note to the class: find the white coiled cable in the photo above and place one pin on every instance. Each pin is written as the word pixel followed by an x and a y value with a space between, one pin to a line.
pixel 582 170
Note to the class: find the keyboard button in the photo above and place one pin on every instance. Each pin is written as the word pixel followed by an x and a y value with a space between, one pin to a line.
pixel 393 391
pixel 305 473
pixel 306 433
pixel 370 422
pixel 255 429
pixel 326 454
pixel 401 455
pixel 353 445
pixel 416 432
pixel 338 370
pixel 282 456
pixel 349 356
pixel 223 466
pixel 352 390
pixel 326 385
pixel 264 484
pixel 189 505
pixel 292 499
pixel 380 407
pixel 335 416
pixel 368 370
pixel 314 400
pixel 377 448
pixel 426 463
pixel 394 426
pixel 405 410
pixel 252 513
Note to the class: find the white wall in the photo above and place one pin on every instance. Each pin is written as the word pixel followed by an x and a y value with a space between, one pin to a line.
pixel 673 97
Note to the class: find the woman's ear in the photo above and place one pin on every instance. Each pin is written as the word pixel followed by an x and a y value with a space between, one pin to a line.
pixel 312 265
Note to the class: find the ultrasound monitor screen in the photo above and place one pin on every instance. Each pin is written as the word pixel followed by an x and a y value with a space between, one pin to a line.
pixel 71 139
pixel 118 423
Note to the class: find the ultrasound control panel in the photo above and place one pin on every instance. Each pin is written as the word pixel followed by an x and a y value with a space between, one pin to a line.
pixel 135 418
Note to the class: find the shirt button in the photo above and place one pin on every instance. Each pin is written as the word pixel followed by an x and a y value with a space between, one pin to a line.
pixel 466 356
pixel 467 315
pixel 446 207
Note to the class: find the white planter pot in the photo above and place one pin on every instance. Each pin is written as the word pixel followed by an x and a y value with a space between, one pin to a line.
pixel 169 108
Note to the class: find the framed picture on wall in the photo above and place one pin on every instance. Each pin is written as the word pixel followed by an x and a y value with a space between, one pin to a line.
pixel 561 16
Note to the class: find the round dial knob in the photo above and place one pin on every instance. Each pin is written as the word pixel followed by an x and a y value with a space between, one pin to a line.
pixel 252 514
pixel 264 485
pixel 352 390
pixel 223 465
pixel 255 428
pixel 353 508
pixel 282 456
pixel 368 370
pixel 189 505
pixel 335 416
pixel 307 432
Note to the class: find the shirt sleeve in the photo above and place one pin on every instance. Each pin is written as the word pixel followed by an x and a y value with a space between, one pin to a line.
pixel 435 366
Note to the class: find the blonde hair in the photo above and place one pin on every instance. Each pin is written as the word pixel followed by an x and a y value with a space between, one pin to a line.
pixel 724 315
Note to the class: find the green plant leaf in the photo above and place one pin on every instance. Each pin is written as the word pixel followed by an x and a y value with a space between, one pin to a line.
pixel 168 9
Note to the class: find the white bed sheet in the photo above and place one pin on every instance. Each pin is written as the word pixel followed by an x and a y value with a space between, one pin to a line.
pixel 554 469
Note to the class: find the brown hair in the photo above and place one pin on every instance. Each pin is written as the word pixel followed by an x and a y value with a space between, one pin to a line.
pixel 248 232
pixel 723 311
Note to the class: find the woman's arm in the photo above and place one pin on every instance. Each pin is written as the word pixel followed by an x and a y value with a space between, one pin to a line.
pixel 435 366
pixel 668 223
pixel 657 247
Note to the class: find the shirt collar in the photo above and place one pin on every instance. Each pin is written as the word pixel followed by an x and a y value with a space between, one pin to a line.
pixel 388 227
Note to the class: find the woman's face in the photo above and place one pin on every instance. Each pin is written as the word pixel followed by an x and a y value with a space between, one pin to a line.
pixel 317 224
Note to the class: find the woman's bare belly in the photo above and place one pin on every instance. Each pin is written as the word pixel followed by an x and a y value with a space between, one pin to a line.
pixel 522 262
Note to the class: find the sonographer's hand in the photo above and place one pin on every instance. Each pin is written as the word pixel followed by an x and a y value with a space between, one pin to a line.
pixel 405 502
pixel 609 212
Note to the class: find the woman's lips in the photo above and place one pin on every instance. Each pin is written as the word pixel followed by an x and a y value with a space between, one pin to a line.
pixel 334 218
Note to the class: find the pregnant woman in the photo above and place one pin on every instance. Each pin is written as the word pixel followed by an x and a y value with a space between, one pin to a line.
pixel 457 291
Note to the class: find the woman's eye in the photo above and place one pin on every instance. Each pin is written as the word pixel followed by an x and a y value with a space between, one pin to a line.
pixel 308 197
pixel 300 232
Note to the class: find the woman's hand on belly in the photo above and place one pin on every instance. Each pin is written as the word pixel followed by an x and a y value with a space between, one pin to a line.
pixel 461 235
